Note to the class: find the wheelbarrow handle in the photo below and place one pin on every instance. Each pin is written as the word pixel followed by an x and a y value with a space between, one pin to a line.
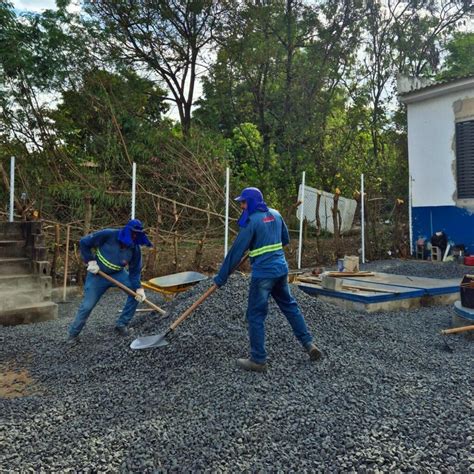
pixel 129 291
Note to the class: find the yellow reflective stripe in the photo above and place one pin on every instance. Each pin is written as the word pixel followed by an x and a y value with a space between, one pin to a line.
pixel 266 249
pixel 107 263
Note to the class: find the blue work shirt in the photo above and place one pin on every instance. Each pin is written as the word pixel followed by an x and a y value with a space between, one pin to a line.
pixel 111 255
pixel 264 232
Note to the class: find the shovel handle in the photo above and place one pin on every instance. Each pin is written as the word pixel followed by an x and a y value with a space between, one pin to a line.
pixel 203 297
pixel 193 307
pixel 458 330
pixel 129 291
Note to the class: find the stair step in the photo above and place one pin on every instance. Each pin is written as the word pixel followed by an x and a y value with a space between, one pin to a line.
pixel 7 243
pixel 26 282
pixel 11 299
pixel 29 314
pixel 12 248
pixel 15 265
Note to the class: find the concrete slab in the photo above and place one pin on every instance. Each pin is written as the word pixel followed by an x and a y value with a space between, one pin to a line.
pixel 387 292
pixel 432 285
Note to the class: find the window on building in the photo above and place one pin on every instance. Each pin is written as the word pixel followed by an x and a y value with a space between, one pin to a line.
pixel 465 159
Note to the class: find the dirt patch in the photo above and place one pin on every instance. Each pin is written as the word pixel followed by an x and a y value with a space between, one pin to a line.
pixel 16 382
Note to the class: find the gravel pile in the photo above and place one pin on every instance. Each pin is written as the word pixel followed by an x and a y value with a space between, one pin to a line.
pixel 424 268
pixel 386 397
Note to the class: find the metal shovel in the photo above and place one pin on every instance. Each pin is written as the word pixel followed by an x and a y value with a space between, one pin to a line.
pixel 159 340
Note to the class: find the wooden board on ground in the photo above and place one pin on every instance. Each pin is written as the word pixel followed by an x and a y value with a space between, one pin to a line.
pixel 350 274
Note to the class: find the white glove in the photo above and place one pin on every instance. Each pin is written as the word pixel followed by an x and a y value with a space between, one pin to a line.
pixel 93 267
pixel 140 295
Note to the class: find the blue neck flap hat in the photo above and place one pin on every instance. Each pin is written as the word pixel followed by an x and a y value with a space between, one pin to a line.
pixel 125 235
pixel 254 199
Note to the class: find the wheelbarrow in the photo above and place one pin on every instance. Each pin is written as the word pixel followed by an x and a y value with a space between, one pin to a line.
pixel 170 285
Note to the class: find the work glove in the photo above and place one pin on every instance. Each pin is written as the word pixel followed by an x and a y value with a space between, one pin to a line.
pixel 140 295
pixel 92 267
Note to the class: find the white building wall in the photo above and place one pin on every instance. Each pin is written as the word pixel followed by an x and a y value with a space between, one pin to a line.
pixel 431 145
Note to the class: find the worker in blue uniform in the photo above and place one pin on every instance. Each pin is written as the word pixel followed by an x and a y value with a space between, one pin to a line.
pixel 264 233
pixel 112 251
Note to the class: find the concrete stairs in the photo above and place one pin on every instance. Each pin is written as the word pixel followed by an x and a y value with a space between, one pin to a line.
pixel 25 284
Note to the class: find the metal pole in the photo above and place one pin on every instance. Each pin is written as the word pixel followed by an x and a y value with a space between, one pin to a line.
pixel 66 261
pixel 362 215
pixel 134 184
pixel 300 245
pixel 12 188
pixel 227 189
pixel 410 218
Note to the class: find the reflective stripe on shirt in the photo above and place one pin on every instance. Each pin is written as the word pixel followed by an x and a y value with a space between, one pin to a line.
pixel 266 249
pixel 108 264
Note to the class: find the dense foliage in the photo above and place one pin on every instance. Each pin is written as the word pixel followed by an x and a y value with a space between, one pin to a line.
pixel 287 86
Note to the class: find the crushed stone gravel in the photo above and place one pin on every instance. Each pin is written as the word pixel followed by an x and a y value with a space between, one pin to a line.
pixel 385 398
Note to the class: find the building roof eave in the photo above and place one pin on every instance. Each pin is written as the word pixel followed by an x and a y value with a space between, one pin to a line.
pixel 437 90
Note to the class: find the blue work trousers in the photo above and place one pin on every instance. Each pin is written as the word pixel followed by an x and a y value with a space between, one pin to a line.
pixel 260 291
pixel 94 288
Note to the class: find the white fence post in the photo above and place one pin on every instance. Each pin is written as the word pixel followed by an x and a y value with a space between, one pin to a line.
pixel 12 188
pixel 227 190
pixel 300 245
pixel 362 215
pixel 134 184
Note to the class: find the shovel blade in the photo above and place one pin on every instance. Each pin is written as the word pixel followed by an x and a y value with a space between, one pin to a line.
pixel 149 342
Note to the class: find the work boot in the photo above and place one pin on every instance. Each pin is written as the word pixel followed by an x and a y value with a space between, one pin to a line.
pixel 71 340
pixel 249 364
pixel 122 331
pixel 313 351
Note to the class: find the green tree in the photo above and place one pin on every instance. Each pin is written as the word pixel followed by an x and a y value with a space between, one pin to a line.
pixel 167 38
pixel 460 56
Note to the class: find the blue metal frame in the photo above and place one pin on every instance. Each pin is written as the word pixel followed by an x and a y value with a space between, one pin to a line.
pixel 405 292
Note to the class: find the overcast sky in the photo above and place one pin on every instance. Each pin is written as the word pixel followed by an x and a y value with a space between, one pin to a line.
pixel 39 5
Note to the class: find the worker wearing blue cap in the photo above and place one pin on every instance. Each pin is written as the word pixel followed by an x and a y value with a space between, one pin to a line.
pixel 112 251
pixel 264 233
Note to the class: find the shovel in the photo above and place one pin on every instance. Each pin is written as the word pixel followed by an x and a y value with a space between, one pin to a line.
pixel 446 332
pixel 130 292
pixel 159 340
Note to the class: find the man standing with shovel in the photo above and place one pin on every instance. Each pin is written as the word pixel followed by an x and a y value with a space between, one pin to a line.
pixel 110 251
pixel 264 233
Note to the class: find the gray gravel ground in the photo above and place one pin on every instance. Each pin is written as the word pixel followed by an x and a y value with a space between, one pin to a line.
pixel 387 397
pixel 420 268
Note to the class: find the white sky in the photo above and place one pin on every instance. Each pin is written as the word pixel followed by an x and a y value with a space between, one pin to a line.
pixel 40 5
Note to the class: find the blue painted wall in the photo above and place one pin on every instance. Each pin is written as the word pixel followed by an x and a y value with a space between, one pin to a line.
pixel 455 222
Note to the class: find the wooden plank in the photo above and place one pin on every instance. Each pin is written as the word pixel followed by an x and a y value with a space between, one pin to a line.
pixel 350 274
pixel 309 279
